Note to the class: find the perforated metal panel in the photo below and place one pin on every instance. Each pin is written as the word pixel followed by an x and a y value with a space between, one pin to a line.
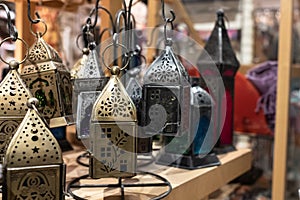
pixel 33 162
pixel 33 144
pixel 13 95
pixel 166 84
pixel 113 133
pixel 48 80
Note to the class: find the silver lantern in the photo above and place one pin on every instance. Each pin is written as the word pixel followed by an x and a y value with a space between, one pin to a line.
pixel 88 84
pixel 33 167
pixel 134 90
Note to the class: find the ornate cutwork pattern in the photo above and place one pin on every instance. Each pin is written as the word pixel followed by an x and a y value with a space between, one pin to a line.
pixel 7 129
pixel 134 90
pixel 91 68
pixel 114 151
pixel 164 70
pixel 44 88
pixel 13 95
pixel 85 104
pixel 37 53
pixel 33 144
pixel 115 105
pixel 34 185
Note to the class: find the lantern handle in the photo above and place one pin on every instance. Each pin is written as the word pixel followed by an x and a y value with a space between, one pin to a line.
pixel 11 28
pixel 39 34
pixel 115 44
pixel 33 21
pixel 168 21
pixel 25 44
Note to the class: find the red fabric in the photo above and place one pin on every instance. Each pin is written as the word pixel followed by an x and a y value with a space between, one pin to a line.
pixel 245 102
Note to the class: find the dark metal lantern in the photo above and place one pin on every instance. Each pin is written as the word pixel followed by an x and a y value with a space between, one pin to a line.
pixel 34 166
pixel 166 96
pixel 113 132
pixel 220 51
pixel 134 90
pixel 13 95
pixel 49 81
pixel 191 150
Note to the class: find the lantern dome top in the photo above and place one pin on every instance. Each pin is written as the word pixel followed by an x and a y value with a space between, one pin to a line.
pixel 42 57
pixel 218 48
pixel 114 104
pixel 200 97
pixel 166 70
pixel 91 67
pixel 13 95
pixel 33 144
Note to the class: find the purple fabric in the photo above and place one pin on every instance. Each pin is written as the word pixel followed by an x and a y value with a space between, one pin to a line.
pixel 264 78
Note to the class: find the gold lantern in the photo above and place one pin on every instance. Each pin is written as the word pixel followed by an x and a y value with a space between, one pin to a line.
pixel 113 132
pixel 33 167
pixel 49 81
pixel 13 95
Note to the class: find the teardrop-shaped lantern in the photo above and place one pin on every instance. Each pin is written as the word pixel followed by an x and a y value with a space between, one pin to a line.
pixel 34 166
pixel 49 81
pixel 166 96
pixel 113 132
pixel 13 95
pixel 218 50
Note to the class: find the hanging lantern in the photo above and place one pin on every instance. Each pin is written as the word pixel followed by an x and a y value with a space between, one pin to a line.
pixel 134 90
pixel 219 49
pixel 113 131
pixel 166 94
pixel 13 95
pixel 49 81
pixel 88 84
pixel 78 65
pixel 34 166
pixel 192 150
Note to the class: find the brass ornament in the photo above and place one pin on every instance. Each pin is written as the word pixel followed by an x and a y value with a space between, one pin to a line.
pixel 34 166
pixel 113 132
pixel 49 81
pixel 13 95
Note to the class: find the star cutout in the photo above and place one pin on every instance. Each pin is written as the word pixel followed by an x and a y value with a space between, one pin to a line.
pixel 33 124
pixel 35 150
pixel 12 103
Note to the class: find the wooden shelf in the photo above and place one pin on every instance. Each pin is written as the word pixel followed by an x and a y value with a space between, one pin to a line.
pixel 187 184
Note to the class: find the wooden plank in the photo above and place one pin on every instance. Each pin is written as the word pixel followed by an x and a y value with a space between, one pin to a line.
pixel 113 7
pixel 184 16
pixel 283 97
pixel 23 27
pixel 233 164
pixel 152 21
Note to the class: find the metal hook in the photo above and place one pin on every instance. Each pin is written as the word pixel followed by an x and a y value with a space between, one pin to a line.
pixel 13 33
pixel 96 14
pixel 34 21
pixel 169 20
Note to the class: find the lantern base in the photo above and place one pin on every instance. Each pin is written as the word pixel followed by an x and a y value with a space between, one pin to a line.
pixel 61 121
pixel 223 149
pixel 188 161
pixel 75 184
